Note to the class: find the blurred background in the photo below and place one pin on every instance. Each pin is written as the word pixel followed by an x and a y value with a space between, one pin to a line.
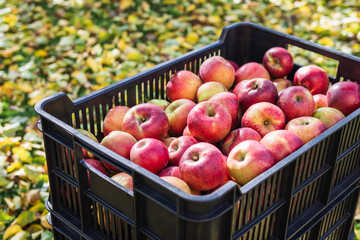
pixel 79 46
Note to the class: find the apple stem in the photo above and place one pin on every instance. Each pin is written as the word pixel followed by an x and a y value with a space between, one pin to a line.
pixel 255 85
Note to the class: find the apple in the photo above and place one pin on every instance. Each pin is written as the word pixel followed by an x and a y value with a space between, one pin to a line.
pixel 296 101
pixel 320 101
pixel 209 122
pixel 123 179
pixel 234 65
pixel 306 128
pixel 231 103
pixel 328 115
pixel 87 154
pixel 217 69
pixel 160 102
pixel 178 147
pixel 97 165
pixel 256 90
pixel 177 182
pixel 237 136
pixel 281 84
pixel 263 117
pixel 168 140
pixel 170 171
pixel 119 142
pixel 113 119
pixel 183 84
pixel 146 120
pixel 177 113
pixel 313 78
pixel 281 143
pixel 247 160
pixel 209 89
pixel 278 62
pixel 151 154
pixel 202 166
pixel 251 70
pixel 344 96
pixel 186 131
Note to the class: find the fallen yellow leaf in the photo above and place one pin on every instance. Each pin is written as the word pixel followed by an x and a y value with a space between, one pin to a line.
pixel 13 166
pixel 11 231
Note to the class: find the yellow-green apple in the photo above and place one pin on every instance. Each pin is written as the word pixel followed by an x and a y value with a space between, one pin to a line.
pixel 251 70
pixel 151 154
pixel 97 165
pixel 231 103
pixel 87 154
pixel 209 89
pixel 247 160
pixel 234 65
pixel 328 115
pixel 119 142
pixel 256 90
pixel 237 136
pixel 177 182
pixel 123 179
pixel 296 101
pixel 278 62
pixel 146 120
pixel 113 119
pixel 160 102
pixel 170 171
pixel 178 147
pixel 281 84
pixel 177 113
pixel 168 140
pixel 183 84
pixel 202 166
pixel 306 128
pixel 281 143
pixel 313 78
pixel 209 122
pixel 344 96
pixel 263 117
pixel 217 69
pixel 320 101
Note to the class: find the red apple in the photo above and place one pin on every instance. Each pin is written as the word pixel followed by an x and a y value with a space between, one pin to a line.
pixel 177 182
pixel 344 96
pixel 146 121
pixel 256 90
pixel 160 102
pixel 177 113
pixel 150 154
pixel 97 165
pixel 296 101
pixel 87 154
pixel 247 160
pixel 231 103
pixel 209 122
pixel 313 78
pixel 178 147
pixel 278 62
pixel 113 119
pixel 209 89
pixel 281 143
pixel 123 179
pixel 202 166
pixel 168 140
pixel 306 128
pixel 217 69
pixel 320 101
pixel 170 171
pixel 237 136
pixel 183 84
pixel 328 115
pixel 119 142
pixel 251 70
pixel 234 65
pixel 186 131
pixel 281 84
pixel 263 117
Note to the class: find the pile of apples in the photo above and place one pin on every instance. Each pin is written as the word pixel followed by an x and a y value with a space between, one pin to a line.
pixel 228 123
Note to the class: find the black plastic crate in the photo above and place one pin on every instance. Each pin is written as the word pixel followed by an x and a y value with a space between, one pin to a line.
pixel 274 205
